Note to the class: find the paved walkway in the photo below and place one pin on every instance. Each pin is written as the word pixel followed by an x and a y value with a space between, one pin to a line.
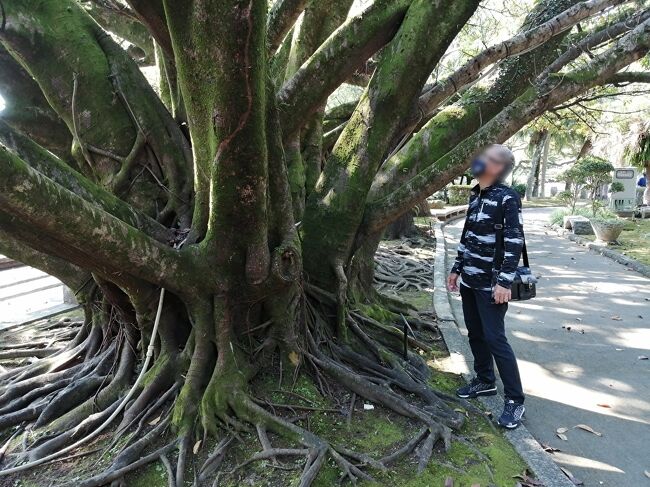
pixel 578 345
pixel 27 293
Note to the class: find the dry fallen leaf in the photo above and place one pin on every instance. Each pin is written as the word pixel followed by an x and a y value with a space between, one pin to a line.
pixel 562 437
pixel 462 411
pixel 197 445
pixel 155 421
pixel 561 430
pixel 525 480
pixel 294 358
pixel 568 473
pixel 588 428
pixel 549 448
pixel 604 405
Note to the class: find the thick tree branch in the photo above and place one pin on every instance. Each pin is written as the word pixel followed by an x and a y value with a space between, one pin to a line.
pixel 124 137
pixel 336 60
pixel 108 242
pixel 152 14
pixel 47 164
pixel 281 18
pixel 228 126
pixel 337 202
pixel 318 22
pixel 69 274
pixel 122 21
pixel 597 38
pixel 524 41
pixel 547 93
pixel 630 77
pixel 454 123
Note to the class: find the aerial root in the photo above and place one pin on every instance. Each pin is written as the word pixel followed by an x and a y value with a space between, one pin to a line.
pixel 143 417
pixel 69 397
pixel 113 475
pixel 183 452
pixel 55 442
pixel 214 461
pixel 171 479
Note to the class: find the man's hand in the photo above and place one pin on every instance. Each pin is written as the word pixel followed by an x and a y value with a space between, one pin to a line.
pixel 501 294
pixel 452 282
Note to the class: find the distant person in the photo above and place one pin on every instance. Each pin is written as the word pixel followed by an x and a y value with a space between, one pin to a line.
pixel 485 291
pixel 643 183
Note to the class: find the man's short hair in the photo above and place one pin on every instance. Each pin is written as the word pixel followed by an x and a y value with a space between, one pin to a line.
pixel 506 154
pixel 507 157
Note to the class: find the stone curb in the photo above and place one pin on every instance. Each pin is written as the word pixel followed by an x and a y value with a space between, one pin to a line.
pixel 633 264
pixel 540 462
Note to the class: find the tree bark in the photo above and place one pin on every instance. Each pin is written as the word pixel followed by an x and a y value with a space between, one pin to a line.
pixel 539 141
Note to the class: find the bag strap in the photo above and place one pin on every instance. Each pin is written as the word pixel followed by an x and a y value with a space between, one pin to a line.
pixel 499 242
pixel 466 224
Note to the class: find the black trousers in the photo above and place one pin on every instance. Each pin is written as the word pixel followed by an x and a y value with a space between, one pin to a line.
pixel 488 341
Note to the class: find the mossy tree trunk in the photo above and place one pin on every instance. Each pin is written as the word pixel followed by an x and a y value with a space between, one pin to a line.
pixel 227 194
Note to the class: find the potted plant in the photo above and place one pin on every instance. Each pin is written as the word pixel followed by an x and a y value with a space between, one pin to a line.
pixel 607 230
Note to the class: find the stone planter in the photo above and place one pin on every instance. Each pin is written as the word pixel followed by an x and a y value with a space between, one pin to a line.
pixel 607 231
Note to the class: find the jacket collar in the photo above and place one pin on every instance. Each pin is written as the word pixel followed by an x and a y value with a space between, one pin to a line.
pixel 477 187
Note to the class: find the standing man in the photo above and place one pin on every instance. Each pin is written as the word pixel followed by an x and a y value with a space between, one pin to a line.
pixel 485 291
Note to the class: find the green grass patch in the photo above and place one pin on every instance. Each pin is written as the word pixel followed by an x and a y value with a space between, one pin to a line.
pixel 635 241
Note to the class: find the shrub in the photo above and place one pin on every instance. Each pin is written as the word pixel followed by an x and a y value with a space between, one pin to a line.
pixel 520 188
pixel 557 217
pixel 588 173
pixel 459 194
pixel 616 186
pixel 565 197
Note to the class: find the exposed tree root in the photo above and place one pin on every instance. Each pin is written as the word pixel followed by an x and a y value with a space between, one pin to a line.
pixel 69 396
pixel 405 265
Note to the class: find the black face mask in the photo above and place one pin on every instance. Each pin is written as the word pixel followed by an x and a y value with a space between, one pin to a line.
pixel 478 167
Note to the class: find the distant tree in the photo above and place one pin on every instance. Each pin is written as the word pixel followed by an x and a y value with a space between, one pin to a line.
pixel 589 173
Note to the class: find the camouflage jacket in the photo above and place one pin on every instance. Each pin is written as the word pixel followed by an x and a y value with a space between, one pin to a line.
pixel 475 260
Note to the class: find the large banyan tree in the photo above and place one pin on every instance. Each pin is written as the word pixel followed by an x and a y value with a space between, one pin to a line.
pixel 226 221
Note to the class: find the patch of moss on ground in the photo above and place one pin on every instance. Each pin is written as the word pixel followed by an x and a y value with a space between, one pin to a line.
pixel 377 312
pixel 422 300
pixel 150 475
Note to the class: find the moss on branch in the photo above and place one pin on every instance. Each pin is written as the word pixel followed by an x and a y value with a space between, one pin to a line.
pixel 105 240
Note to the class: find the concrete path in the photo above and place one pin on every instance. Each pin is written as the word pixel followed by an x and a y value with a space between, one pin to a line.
pixel 579 345
pixel 27 293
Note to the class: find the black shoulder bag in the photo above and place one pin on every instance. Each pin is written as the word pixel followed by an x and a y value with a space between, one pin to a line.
pixel 524 284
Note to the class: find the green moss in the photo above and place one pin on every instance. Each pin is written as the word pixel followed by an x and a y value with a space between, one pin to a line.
pixel 149 476
pixel 377 312
pixel 445 381
pixel 422 300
